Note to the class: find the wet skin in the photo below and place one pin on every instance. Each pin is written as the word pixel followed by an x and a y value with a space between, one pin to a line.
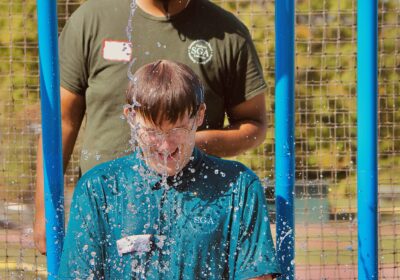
pixel 167 148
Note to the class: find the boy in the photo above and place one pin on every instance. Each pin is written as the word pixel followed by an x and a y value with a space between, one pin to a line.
pixel 168 211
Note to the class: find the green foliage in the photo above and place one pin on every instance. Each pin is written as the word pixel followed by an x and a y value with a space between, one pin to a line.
pixel 325 84
pixel 19 94
pixel 326 118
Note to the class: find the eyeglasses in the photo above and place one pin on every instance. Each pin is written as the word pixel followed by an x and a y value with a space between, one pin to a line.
pixel 151 137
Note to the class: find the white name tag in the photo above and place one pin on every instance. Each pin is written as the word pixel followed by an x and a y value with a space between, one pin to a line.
pixel 139 243
pixel 117 50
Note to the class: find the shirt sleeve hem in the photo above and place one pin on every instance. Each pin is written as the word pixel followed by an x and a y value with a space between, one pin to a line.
pixel 251 94
pixel 71 88
pixel 255 92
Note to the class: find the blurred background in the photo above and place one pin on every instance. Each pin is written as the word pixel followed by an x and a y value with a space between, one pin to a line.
pixel 325 191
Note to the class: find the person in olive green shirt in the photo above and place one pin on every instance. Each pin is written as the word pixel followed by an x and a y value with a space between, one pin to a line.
pixel 95 56
pixel 168 210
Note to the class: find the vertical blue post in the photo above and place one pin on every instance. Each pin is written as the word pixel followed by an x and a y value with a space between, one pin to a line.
pixel 284 135
pixel 367 179
pixel 51 132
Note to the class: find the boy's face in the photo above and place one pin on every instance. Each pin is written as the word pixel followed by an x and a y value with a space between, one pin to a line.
pixel 167 149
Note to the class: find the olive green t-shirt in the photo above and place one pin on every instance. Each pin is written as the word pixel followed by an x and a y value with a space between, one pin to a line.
pixel 95 54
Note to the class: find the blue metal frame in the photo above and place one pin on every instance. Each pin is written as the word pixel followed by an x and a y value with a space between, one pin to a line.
pixel 51 132
pixel 284 135
pixel 367 178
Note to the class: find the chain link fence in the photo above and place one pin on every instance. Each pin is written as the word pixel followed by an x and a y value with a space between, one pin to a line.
pixel 325 192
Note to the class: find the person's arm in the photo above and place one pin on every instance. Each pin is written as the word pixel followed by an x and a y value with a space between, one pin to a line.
pixel 72 112
pixel 247 129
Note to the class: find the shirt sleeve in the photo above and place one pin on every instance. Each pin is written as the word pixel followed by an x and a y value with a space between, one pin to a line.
pixel 247 80
pixel 82 256
pixel 255 252
pixel 73 54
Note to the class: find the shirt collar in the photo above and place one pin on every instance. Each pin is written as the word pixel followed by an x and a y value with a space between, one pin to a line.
pixel 181 180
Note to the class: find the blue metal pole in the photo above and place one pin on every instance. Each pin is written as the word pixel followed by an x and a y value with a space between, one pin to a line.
pixel 51 132
pixel 367 178
pixel 284 135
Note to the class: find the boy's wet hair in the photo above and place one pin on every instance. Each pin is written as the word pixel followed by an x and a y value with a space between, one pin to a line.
pixel 165 90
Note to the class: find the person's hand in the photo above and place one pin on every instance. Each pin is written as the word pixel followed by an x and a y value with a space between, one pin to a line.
pixel 39 231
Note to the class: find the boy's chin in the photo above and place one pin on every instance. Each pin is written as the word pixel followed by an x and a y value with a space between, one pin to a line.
pixel 166 170
pixel 173 172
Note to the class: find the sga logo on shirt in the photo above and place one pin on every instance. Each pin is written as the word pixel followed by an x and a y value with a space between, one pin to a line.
pixel 204 220
pixel 200 52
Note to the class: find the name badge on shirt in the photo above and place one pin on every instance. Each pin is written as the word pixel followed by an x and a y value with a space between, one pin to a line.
pixel 141 243
pixel 117 50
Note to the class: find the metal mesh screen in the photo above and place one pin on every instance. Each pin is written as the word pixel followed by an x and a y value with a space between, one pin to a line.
pixel 326 138
pixel 325 204
pixel 326 122
pixel 389 139
pixel 19 124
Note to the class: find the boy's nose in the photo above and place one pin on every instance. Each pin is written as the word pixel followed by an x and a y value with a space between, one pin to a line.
pixel 165 145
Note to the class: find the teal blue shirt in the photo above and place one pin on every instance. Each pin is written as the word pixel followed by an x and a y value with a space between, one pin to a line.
pixel 209 222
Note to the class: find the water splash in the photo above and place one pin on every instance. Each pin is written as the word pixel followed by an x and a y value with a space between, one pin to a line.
pixel 129 32
pixel 281 239
pixel 159 173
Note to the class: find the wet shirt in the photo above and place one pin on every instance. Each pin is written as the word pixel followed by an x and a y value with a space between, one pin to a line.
pixel 95 54
pixel 209 222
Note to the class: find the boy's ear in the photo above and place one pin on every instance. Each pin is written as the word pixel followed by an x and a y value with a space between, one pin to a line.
pixel 126 111
pixel 129 114
pixel 200 114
